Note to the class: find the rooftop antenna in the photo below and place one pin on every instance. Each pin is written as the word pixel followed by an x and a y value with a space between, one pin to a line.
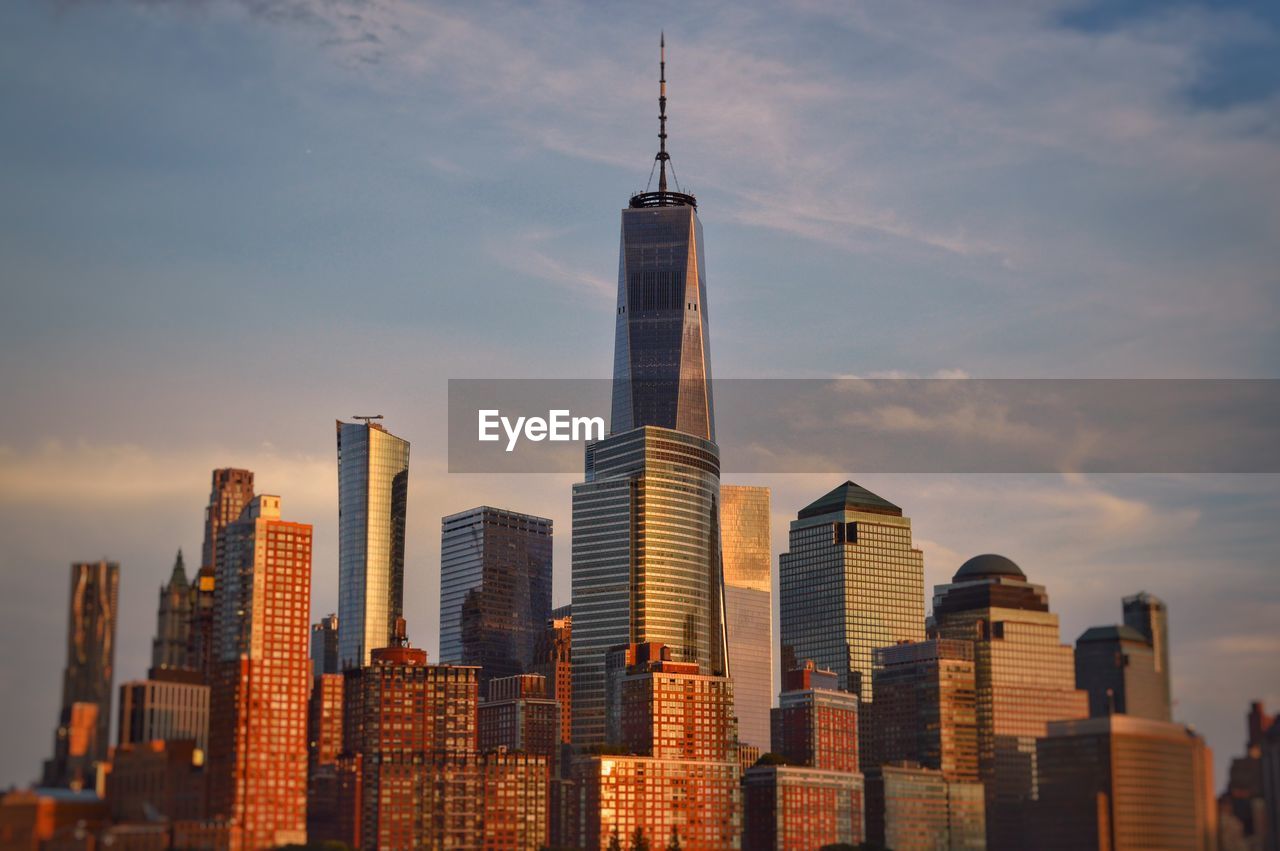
pixel 663 157
pixel 368 420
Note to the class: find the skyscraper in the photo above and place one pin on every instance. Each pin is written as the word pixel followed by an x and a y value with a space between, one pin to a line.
pixel 229 493
pixel 173 620
pixel 324 646
pixel 1149 615
pixel 258 700
pixel 748 597
pixel 495 589
pixel 373 493
pixel 552 659
pixel 84 720
pixel 1117 667
pixel 850 582
pixel 1025 678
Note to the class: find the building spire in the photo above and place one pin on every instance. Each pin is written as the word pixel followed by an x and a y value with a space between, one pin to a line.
pixel 663 156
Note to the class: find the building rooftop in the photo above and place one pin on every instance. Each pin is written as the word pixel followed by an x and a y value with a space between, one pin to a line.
pixel 1112 632
pixel 986 566
pixel 850 497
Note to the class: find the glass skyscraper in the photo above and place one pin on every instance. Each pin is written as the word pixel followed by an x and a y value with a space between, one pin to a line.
pixel 851 582
pixel 748 594
pixel 495 590
pixel 373 490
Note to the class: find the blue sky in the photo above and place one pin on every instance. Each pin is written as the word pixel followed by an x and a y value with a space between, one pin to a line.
pixel 224 224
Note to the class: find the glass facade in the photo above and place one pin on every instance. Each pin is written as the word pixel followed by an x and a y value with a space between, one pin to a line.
pixel 748 594
pixel 495 590
pixel 373 490
pixel 662 351
pixel 646 560
pixel 850 582
pixel 1117 667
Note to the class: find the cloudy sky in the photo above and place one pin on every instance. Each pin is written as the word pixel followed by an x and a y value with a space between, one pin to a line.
pixel 225 224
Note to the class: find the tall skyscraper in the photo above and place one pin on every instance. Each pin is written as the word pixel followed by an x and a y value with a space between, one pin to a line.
pixel 1149 615
pixel 1122 783
pixel 324 646
pixel 495 589
pixel 1117 667
pixel 646 520
pixel 748 597
pixel 258 729
pixel 173 620
pixel 230 492
pixel 1025 678
pixel 925 711
pixel 851 582
pixel 373 493
pixel 84 720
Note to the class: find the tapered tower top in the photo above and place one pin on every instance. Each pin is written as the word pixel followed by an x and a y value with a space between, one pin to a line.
pixel 662 198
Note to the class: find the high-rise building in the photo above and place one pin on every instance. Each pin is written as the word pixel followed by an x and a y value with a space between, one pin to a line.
pixel 911 808
pixel 1025 678
pixel 680 771
pixel 516 814
pixel 925 711
pixel 1244 824
pixel 324 646
pixel 230 492
pixel 1117 667
pixel 1149 615
pixel 373 494
pixel 850 582
pixel 258 728
pixel 748 598
pixel 1121 782
pixel 495 589
pixel 553 659
pixel 815 723
pixel 82 736
pixel 518 715
pixel 172 705
pixel 200 624
pixel 324 747
pixel 173 620
pixel 794 806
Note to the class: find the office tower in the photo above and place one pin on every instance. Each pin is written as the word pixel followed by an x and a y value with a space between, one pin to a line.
pixel 1242 808
pixel 1117 668
pixel 748 595
pixel 815 723
pixel 850 582
pixel 230 491
pixel 925 711
pixel 324 646
pixel 516 813
pixel 1121 782
pixel 173 620
pixel 413 727
pixel 324 747
pixel 518 715
pixel 910 808
pixel 792 806
pixel 81 739
pixel 373 493
pixel 1148 614
pixel 200 624
pixel 552 659
pixel 1025 678
pixel 495 589
pixel 170 705
pixel 678 734
pixel 258 746
pixel 157 779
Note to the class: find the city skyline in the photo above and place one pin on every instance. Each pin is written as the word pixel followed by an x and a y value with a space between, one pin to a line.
pixel 1157 535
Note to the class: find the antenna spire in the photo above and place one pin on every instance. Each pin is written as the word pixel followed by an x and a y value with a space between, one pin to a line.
pixel 663 156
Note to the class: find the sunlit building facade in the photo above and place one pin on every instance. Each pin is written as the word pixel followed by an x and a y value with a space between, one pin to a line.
pixel 171 704
pixel 1117 667
pixel 748 596
pixel 792 806
pixel 373 493
pixel 258 745
pixel 518 715
pixel 850 582
pixel 495 589
pixel 553 659
pixel 1149 615
pixel 1025 678
pixel 912 808
pixel 815 723
pixel 83 733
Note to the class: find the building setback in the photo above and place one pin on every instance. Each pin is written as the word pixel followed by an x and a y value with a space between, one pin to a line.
pixel 82 737
pixel 373 494
pixel 748 596
pixel 495 589
pixel 850 582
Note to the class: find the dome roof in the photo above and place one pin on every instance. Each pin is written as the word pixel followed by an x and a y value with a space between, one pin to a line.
pixel 988 565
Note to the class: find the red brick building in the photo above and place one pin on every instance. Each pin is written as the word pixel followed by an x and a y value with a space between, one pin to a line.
pixel 552 660
pixel 519 716
pixel 517 811
pixel 159 778
pixel 792 806
pixel 815 724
